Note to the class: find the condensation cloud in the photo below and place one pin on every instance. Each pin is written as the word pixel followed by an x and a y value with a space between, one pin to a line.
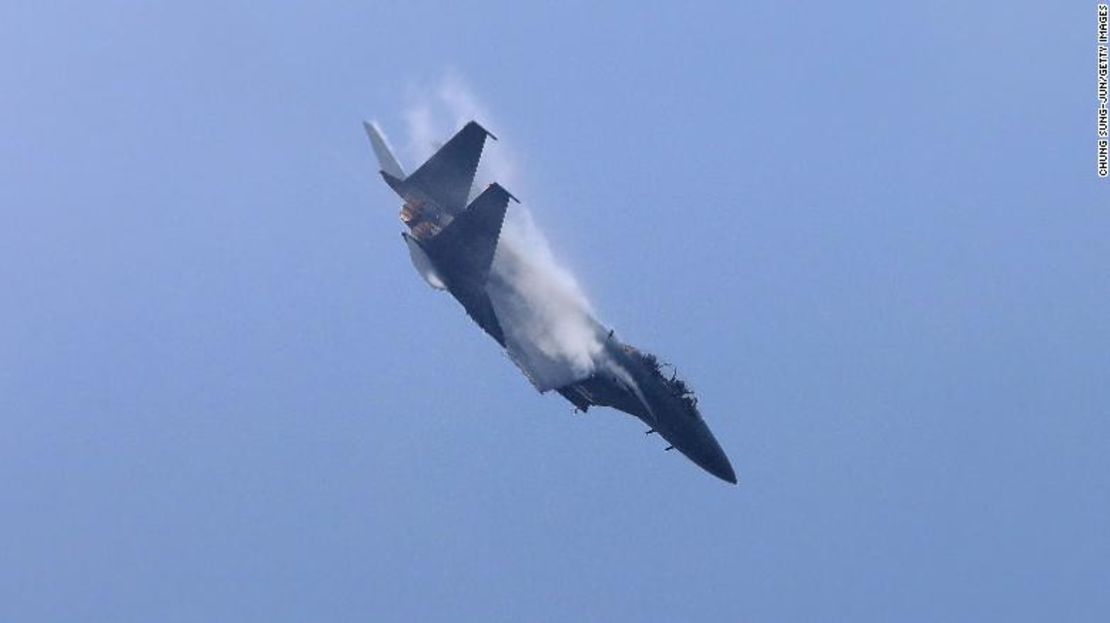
pixel 549 326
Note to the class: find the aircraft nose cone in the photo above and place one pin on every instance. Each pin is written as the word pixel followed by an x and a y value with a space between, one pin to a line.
pixel 710 457
pixel 719 466
pixel 725 472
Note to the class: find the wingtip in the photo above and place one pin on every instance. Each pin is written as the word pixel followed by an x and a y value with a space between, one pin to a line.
pixel 504 190
pixel 482 128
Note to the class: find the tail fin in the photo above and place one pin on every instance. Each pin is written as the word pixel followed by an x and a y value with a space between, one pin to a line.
pixel 447 176
pixel 467 245
pixel 386 160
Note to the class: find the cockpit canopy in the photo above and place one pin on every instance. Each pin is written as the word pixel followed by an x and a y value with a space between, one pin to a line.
pixel 677 387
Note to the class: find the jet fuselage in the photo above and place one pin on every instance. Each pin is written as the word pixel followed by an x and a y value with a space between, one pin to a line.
pixel 452 246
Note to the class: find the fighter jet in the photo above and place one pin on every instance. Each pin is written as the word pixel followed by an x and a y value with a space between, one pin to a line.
pixel 454 244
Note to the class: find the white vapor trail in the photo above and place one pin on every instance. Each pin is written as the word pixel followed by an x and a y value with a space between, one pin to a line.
pixel 549 326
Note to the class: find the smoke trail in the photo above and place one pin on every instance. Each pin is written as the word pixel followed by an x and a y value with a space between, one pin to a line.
pixel 550 330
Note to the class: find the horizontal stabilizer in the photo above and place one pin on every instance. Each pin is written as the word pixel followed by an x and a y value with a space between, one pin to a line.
pixel 467 245
pixel 447 176
pixel 397 185
pixel 386 160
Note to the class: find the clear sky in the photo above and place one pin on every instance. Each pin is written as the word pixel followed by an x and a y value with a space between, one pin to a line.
pixel 870 235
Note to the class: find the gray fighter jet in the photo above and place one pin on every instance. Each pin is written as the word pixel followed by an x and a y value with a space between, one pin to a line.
pixel 454 245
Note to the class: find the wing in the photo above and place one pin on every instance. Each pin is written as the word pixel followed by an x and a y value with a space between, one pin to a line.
pixel 477 305
pixel 447 176
pixel 464 252
pixel 465 248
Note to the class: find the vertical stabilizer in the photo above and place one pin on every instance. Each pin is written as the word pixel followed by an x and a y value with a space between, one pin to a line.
pixel 467 245
pixel 447 176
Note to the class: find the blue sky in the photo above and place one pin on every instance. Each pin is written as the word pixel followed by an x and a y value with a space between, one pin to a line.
pixel 871 237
